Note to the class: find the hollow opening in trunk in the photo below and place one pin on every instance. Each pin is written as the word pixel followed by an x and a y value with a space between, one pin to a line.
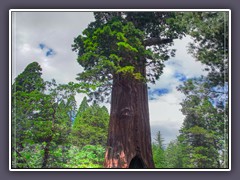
pixel 137 163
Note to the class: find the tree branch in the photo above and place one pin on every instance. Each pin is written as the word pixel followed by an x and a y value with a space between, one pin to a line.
pixel 156 41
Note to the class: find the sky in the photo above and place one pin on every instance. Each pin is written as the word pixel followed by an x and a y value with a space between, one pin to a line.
pixel 46 37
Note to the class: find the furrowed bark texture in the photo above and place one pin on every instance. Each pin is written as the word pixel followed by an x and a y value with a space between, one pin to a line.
pixel 129 138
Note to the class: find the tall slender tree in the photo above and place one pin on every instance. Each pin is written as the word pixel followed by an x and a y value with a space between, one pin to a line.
pixel 158 151
pixel 203 126
pixel 27 86
pixel 40 111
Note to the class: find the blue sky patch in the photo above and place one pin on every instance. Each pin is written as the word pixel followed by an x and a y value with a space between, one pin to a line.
pixel 180 76
pixel 42 46
pixel 48 51
pixel 154 93
pixel 222 96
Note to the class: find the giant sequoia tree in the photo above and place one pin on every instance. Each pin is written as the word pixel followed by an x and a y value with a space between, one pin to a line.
pixel 120 53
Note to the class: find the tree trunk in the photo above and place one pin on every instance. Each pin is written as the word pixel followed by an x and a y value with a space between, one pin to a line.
pixel 129 137
pixel 46 154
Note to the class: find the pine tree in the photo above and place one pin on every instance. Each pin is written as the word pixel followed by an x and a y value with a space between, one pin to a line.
pixel 42 115
pixel 158 151
pixel 83 106
pixel 203 127
pixel 28 87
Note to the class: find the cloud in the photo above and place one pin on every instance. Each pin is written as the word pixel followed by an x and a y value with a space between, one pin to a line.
pixel 165 115
pixel 165 109
pixel 46 37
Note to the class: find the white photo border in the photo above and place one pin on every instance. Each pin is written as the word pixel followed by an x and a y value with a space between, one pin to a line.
pixel 104 10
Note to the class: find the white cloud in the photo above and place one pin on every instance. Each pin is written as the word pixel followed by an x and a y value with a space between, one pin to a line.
pixel 56 30
pixel 165 115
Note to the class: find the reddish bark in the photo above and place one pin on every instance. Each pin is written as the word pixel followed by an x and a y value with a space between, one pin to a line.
pixel 129 138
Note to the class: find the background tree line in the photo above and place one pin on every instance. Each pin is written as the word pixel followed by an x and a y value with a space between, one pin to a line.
pixel 47 129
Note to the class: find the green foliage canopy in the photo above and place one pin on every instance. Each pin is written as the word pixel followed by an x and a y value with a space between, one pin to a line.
pixel 90 125
pixel 125 43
